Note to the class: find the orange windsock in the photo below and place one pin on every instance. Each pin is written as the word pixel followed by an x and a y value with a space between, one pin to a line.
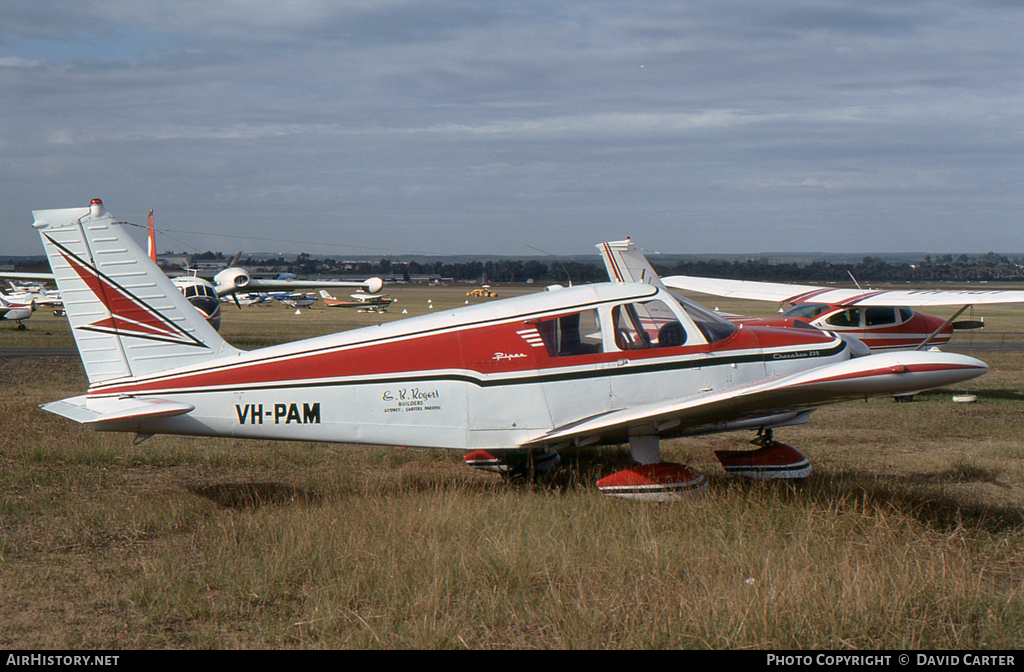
pixel 151 247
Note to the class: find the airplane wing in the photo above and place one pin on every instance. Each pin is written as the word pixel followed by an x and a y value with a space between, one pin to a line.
pixel 236 279
pixel 288 285
pixel 786 293
pixel 885 374
pixel 41 277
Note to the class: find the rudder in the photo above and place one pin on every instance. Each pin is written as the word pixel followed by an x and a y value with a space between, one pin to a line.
pixel 127 318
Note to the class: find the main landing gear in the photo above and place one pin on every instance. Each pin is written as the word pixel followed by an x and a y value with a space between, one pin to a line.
pixel 655 481
pixel 771 460
pixel 515 464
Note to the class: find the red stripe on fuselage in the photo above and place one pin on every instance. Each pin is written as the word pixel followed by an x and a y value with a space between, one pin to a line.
pixel 493 349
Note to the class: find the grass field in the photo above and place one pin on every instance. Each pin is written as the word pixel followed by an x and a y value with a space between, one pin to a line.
pixel 909 533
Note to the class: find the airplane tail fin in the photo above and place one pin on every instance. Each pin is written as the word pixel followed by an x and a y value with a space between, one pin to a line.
pixel 325 294
pixel 625 263
pixel 127 318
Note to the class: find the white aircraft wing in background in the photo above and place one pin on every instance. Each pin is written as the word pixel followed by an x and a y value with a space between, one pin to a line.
pixel 786 293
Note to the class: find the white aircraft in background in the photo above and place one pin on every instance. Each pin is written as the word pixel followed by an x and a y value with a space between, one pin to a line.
pixel 365 303
pixel 510 380
pixel 28 289
pixel 881 319
pixel 205 295
pixel 296 300
pixel 35 293
pixel 15 311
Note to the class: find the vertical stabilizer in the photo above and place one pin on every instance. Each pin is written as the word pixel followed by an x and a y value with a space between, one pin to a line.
pixel 127 318
pixel 625 263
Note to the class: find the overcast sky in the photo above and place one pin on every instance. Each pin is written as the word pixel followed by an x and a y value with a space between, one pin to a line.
pixel 449 126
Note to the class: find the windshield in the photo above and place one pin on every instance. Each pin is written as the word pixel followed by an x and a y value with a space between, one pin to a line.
pixel 714 327
pixel 806 311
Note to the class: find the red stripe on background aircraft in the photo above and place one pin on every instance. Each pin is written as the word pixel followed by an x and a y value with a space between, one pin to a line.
pixel 508 383
pixel 365 303
pixel 881 319
pixel 15 311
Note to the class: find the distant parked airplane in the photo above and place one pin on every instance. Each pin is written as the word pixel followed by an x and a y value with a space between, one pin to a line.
pixel 368 303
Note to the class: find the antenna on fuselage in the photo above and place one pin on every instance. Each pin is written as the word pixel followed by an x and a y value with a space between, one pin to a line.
pixel 559 261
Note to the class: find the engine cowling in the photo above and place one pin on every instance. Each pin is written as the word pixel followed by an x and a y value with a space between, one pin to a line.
pixel 231 280
pixel 374 285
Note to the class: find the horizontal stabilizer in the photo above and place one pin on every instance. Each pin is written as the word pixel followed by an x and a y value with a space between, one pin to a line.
pixel 109 410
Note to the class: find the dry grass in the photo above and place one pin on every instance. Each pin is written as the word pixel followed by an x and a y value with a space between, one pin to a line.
pixel 909 534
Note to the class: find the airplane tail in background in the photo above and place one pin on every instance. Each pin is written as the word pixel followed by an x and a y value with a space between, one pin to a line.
pixel 325 294
pixel 127 318
pixel 627 264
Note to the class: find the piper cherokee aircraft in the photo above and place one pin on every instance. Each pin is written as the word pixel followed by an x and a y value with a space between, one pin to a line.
pixel 511 380
pixel 366 303
pixel 882 319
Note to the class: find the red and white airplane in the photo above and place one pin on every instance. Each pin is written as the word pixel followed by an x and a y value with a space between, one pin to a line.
pixel 881 319
pixel 511 380
pixel 364 302
pixel 12 310
pixel 25 299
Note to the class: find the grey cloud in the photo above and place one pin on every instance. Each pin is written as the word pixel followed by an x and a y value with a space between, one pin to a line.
pixel 469 127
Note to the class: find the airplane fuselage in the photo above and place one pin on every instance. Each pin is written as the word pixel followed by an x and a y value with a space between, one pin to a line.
pixel 881 328
pixel 476 377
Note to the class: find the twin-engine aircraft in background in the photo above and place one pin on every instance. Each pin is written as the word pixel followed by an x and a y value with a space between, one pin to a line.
pixel 513 379
pixel 205 295
pixel 881 319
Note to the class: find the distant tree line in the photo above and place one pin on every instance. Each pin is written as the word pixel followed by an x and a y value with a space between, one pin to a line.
pixel 502 270
pixel 944 267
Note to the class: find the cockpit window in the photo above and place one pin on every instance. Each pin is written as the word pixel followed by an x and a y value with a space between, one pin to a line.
pixel 876 316
pixel 650 324
pixel 806 311
pixel 572 335
pixel 845 318
pixel 714 327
